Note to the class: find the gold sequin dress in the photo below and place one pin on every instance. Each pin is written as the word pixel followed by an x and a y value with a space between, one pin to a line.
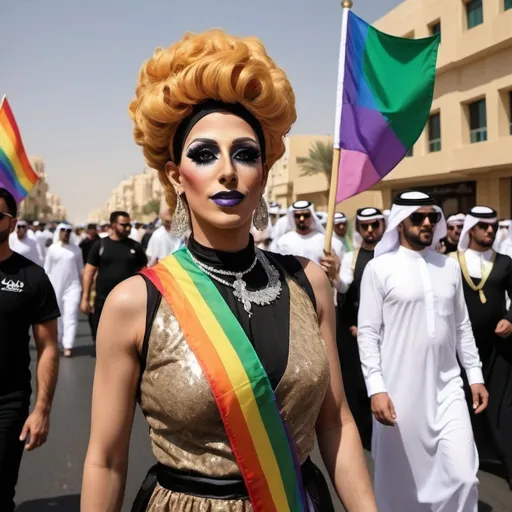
pixel 186 430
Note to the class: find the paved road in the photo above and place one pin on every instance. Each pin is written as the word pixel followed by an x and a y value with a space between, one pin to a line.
pixel 50 478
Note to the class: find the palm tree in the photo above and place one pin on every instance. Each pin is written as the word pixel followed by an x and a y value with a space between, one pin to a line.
pixel 319 159
pixel 152 206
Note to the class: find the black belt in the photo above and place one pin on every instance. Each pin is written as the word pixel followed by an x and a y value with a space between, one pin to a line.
pixel 204 487
pixel 223 488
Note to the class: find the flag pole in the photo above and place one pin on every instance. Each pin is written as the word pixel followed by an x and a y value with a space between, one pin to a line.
pixel 331 209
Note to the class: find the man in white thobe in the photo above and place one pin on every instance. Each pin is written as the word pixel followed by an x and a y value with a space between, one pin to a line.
pixel 64 266
pixel 162 242
pixel 306 236
pixel 44 238
pixel 413 324
pixel 20 242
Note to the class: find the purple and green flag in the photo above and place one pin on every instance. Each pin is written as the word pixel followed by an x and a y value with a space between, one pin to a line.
pixel 385 92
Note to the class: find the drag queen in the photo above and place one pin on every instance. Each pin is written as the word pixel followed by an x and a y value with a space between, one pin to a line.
pixel 229 350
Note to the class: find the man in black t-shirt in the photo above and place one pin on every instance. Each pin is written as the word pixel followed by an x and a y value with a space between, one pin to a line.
pixel 27 299
pixel 87 243
pixel 114 259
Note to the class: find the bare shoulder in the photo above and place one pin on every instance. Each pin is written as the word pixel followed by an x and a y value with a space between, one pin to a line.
pixel 126 303
pixel 128 298
pixel 317 278
pixel 123 319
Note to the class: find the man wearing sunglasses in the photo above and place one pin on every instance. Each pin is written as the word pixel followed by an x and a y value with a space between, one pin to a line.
pixel 413 330
pixel 111 260
pixel 370 225
pixel 21 243
pixel 487 279
pixel 454 225
pixel 308 239
pixel 64 266
pixel 26 299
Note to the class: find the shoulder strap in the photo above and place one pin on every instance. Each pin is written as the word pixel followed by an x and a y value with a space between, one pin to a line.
pixel 264 451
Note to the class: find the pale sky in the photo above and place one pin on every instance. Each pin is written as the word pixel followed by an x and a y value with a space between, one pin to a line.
pixel 69 69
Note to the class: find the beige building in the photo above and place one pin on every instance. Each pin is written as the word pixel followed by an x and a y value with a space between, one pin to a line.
pixel 287 181
pixel 40 204
pixel 464 155
pixel 132 195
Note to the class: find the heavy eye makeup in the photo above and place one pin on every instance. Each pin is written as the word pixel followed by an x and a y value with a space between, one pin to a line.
pixel 206 152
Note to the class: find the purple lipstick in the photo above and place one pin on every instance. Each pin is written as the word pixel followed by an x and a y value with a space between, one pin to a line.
pixel 228 198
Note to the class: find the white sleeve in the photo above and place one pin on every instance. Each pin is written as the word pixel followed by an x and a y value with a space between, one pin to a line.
pixel 466 347
pixel 346 274
pixel 369 325
pixel 79 261
pixel 151 249
pixel 48 262
pixel 39 252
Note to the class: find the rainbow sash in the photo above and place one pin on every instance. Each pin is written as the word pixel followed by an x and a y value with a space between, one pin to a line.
pixel 264 451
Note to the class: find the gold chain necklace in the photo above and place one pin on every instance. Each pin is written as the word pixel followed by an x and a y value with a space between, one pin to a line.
pixel 485 274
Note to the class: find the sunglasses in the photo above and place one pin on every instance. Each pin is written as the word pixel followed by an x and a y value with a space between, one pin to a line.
pixel 374 225
pixel 21 227
pixel 299 216
pixel 485 226
pixel 418 218
pixel 3 215
pixel 67 230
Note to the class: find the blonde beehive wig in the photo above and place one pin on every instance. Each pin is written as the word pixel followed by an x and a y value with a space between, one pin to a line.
pixel 211 65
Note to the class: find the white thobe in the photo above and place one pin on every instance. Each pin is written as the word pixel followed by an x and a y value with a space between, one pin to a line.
pixel 64 265
pixel 161 244
pixel 26 247
pixel 134 234
pixel 42 237
pixel 309 246
pixel 346 272
pixel 413 323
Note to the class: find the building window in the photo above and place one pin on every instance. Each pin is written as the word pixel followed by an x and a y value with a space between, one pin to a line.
pixel 507 4
pixel 477 121
pixel 435 28
pixel 410 152
pixel 434 133
pixel 474 13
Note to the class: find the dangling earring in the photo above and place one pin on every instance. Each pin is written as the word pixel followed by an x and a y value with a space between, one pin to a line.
pixel 260 219
pixel 180 220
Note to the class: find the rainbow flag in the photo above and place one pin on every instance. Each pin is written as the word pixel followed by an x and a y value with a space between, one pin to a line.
pixel 16 173
pixel 258 435
pixel 385 90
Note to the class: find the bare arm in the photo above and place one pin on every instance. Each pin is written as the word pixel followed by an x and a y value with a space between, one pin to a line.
pixel 338 437
pixel 120 333
pixel 88 278
pixel 38 423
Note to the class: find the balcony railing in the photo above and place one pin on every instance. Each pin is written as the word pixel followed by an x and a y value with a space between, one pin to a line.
pixel 478 135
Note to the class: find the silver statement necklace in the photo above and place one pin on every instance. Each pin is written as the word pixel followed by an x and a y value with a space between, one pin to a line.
pixel 261 297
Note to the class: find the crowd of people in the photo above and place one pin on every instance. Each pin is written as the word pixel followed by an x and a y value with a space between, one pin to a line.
pixel 234 346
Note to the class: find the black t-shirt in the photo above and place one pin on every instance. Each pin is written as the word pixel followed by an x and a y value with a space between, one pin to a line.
pixel 26 298
pixel 86 246
pixel 116 261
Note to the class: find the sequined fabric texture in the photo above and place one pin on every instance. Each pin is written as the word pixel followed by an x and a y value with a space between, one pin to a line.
pixel 186 429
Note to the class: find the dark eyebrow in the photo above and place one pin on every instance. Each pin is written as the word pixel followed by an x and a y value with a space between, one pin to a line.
pixel 206 141
pixel 245 139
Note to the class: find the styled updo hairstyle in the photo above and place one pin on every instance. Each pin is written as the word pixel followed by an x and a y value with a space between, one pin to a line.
pixel 211 65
